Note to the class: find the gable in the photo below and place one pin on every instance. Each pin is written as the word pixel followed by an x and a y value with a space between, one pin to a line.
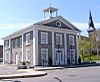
pixel 57 24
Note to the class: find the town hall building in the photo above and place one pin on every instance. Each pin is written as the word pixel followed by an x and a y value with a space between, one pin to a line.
pixel 53 41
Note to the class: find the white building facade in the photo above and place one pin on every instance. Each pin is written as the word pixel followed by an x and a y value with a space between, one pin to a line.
pixel 50 42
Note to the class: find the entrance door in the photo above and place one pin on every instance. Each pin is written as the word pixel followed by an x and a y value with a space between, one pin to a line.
pixel 72 56
pixel 59 57
pixel 17 58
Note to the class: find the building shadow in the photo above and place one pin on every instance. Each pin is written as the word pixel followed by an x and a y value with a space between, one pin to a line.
pixel 17 81
pixel 58 79
pixel 8 80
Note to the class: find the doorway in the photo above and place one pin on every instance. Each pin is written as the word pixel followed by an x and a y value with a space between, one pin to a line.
pixel 59 57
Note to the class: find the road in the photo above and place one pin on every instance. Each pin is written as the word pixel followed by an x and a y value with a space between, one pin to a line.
pixel 82 74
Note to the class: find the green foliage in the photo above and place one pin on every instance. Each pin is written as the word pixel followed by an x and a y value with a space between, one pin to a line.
pixel 84 45
pixel 93 57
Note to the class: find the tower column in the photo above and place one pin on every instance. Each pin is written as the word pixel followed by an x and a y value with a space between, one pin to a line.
pixel 50 11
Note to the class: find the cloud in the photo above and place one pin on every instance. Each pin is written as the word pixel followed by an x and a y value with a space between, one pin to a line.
pixel 96 7
pixel 6 29
pixel 14 26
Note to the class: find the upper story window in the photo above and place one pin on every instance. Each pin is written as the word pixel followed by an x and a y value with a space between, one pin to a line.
pixel 6 44
pixel 16 42
pixel 44 37
pixel 58 23
pixel 71 40
pixel 59 39
pixel 20 41
pixel 27 38
pixel 13 43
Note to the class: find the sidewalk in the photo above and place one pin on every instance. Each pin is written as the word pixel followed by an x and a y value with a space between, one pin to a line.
pixel 29 73
pixel 9 71
pixel 62 67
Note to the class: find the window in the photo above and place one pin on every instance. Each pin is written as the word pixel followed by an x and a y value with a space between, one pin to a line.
pixel 58 23
pixel 59 39
pixel 72 54
pixel 28 39
pixel 16 42
pixel 28 55
pixel 71 40
pixel 44 37
pixel 44 53
pixel 6 57
pixel 13 43
pixel 20 56
pixel 20 41
pixel 6 43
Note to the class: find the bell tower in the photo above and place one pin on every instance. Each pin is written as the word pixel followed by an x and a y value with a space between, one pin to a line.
pixel 50 10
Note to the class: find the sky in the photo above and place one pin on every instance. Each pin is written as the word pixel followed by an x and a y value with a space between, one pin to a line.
pixel 18 14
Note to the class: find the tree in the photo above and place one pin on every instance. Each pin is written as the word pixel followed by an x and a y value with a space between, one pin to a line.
pixel 84 46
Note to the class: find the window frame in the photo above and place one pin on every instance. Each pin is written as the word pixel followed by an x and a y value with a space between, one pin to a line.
pixel 6 44
pixel 59 39
pixel 28 39
pixel 44 51
pixel 20 56
pixel 20 41
pixel 16 42
pixel 71 37
pixel 44 37
pixel 28 55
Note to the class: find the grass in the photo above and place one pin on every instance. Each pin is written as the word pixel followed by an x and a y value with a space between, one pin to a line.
pixel 93 57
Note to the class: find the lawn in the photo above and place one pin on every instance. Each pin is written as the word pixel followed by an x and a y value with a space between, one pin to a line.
pixel 93 57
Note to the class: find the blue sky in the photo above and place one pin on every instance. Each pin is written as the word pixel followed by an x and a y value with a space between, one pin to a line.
pixel 17 14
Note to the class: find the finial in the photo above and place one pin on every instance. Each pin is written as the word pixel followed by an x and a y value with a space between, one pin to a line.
pixel 50 3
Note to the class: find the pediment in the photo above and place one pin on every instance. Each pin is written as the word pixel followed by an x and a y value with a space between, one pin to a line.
pixel 58 22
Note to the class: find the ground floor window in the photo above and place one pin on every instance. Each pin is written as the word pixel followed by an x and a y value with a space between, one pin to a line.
pixel 27 54
pixel 72 56
pixel 6 57
pixel 44 56
pixel 20 56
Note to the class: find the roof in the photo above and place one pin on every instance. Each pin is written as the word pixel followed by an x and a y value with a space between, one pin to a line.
pixel 66 22
pixel 42 23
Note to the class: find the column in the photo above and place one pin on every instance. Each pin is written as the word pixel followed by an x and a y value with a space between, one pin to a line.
pixel 53 49
pixel 10 54
pixel 77 48
pixel 3 53
pixel 65 46
pixel 22 47
pixel 35 47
